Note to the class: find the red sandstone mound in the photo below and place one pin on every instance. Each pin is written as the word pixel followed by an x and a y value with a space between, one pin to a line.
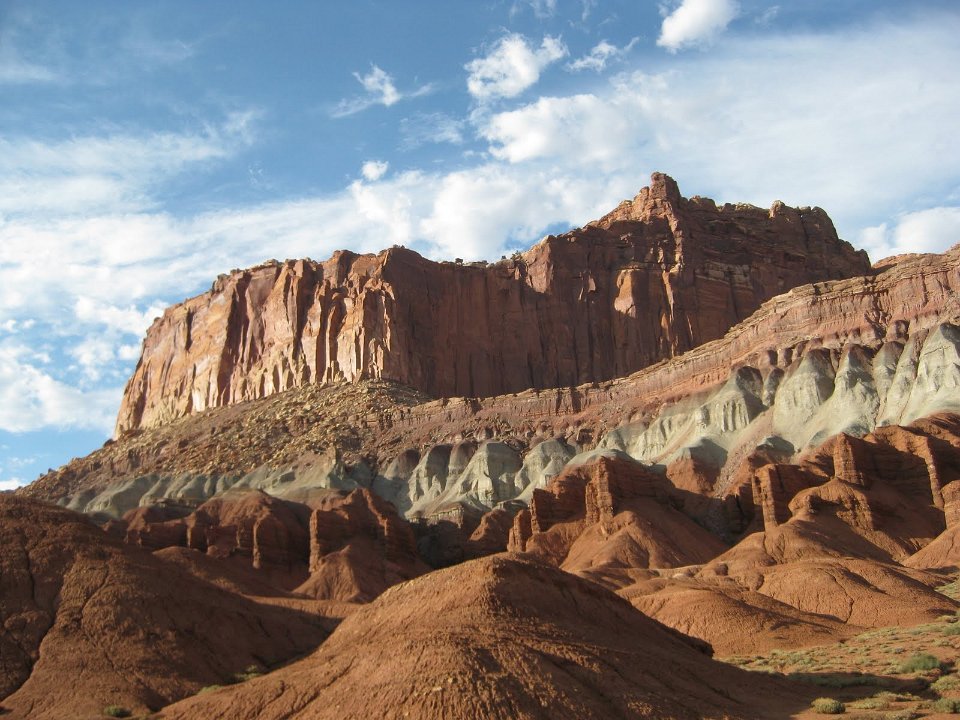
pixel 735 621
pixel 500 637
pixel 88 623
pixel 657 276
pixel 804 564
pixel 944 551
pixel 825 565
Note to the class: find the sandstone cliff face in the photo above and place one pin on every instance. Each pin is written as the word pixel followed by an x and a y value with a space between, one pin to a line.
pixel 658 276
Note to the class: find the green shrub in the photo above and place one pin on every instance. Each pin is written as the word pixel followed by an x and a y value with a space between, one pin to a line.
pixel 953 629
pixel 251 672
pixel 116 711
pixel 920 663
pixel 903 715
pixel 947 682
pixel 947 705
pixel 828 706
pixel 877 702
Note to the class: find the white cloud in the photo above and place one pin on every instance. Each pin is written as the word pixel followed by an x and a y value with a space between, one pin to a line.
pixel 15 71
pixel 12 325
pixel 373 170
pixel 94 353
pixel 31 399
pixel 511 67
pixel 696 22
pixel 600 55
pixel 424 128
pixel 541 8
pixel 767 16
pixel 129 352
pixel 482 212
pixel 596 129
pixel 12 483
pixel 86 174
pixel 380 90
pixel 931 230
pixel 380 86
pixel 824 129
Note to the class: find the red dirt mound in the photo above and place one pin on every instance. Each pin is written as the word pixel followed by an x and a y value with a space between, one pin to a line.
pixel 733 620
pixel 500 637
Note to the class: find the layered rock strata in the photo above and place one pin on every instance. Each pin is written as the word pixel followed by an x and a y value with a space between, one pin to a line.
pixel 660 275
pixel 841 356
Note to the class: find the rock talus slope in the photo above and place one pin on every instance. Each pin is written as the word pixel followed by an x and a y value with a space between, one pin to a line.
pixel 658 276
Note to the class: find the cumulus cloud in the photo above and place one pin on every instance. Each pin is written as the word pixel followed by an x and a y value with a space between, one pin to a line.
pixel 373 170
pixel 129 319
pixel 31 399
pixel 380 90
pixel 595 128
pixel 931 230
pixel 696 22
pixel 512 66
pixel 94 354
pixel 600 56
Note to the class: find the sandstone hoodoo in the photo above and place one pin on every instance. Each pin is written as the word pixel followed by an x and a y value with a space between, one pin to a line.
pixel 659 275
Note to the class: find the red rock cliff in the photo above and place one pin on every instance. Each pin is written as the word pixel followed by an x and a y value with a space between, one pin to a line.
pixel 658 276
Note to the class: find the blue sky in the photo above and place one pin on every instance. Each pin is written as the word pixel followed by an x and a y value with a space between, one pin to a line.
pixel 147 147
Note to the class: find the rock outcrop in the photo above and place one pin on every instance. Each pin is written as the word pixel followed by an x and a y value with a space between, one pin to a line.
pixel 89 623
pixel 346 547
pixel 660 275
pixel 359 547
pixel 610 512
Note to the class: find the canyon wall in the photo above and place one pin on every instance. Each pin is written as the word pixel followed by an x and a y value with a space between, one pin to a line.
pixel 658 276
